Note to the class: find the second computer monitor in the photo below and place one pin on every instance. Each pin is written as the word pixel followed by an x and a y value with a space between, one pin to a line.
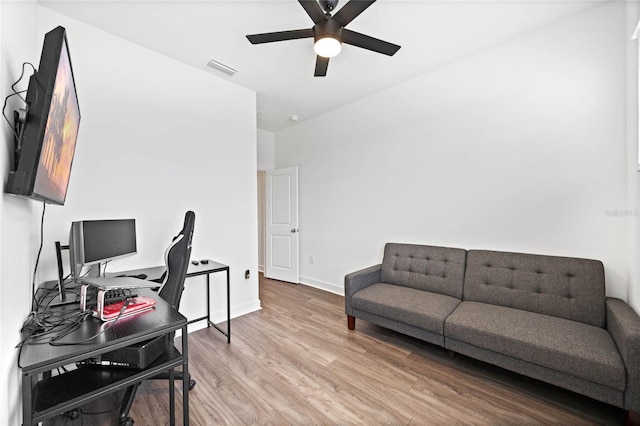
pixel 94 242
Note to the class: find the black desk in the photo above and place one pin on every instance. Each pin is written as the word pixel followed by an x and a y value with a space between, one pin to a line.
pixel 44 397
pixel 194 271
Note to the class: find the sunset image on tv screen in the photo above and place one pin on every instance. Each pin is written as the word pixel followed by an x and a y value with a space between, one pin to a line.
pixel 56 157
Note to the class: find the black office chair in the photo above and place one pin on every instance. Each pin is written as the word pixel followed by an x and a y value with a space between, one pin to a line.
pixel 177 257
pixel 177 260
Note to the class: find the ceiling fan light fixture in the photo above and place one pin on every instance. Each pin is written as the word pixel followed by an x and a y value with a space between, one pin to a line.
pixel 327 46
pixel 327 37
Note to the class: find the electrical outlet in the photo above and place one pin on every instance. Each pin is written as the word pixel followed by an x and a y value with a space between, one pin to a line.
pixel 312 260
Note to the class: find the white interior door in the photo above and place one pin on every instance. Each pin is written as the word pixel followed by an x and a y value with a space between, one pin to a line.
pixel 281 261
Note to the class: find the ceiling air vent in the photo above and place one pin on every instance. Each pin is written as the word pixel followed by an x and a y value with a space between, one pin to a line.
pixel 219 66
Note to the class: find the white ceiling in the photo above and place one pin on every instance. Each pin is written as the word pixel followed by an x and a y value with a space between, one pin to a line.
pixel 432 34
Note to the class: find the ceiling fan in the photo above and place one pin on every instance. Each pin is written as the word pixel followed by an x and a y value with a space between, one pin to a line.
pixel 329 32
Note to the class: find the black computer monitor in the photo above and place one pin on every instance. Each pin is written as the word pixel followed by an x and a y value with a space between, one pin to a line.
pixel 94 242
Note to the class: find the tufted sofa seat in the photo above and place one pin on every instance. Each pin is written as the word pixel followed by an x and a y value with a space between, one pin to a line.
pixel 546 317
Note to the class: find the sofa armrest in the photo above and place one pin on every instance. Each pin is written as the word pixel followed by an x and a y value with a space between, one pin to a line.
pixel 624 325
pixel 358 280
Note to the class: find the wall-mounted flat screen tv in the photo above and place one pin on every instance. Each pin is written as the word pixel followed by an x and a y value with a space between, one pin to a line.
pixel 47 139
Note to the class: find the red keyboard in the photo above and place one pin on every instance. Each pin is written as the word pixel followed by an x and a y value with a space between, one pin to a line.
pixel 131 306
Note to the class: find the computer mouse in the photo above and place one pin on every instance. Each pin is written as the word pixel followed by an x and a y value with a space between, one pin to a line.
pixel 204 262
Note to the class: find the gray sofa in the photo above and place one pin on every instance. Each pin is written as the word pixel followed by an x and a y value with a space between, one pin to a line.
pixel 545 317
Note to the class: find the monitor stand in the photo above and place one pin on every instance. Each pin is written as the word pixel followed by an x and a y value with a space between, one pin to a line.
pixel 66 296
pixel 69 293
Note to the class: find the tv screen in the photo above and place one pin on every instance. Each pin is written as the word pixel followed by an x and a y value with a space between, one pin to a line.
pixel 47 141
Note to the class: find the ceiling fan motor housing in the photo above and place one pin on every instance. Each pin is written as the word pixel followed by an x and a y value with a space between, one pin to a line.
pixel 327 28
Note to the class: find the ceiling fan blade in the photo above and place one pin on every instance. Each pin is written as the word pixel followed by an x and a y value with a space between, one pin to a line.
pixel 313 9
pixel 321 66
pixel 279 36
pixel 370 43
pixel 351 10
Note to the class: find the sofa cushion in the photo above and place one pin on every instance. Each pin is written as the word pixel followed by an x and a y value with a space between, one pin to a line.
pixel 435 269
pixel 563 287
pixel 418 308
pixel 567 346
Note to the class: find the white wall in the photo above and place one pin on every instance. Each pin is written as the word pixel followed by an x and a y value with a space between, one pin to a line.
pixel 18 217
pixel 154 141
pixel 633 47
pixel 520 147
pixel 266 150
pixel 158 138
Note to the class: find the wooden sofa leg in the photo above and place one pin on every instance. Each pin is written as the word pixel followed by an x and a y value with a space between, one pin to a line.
pixel 451 354
pixel 351 322
pixel 632 418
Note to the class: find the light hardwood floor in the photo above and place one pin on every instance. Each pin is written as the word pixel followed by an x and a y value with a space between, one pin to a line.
pixel 294 362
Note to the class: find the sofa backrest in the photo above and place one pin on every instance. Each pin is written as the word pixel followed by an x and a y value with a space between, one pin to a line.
pixel 563 287
pixel 436 269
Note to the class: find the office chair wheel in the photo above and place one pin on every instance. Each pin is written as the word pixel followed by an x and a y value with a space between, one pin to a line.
pixel 192 384
pixel 127 421
pixel 72 414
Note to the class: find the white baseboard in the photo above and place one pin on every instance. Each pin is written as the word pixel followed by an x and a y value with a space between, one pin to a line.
pixel 247 308
pixel 331 288
pixel 221 316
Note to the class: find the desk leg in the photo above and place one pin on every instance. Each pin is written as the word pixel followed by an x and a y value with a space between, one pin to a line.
pixel 172 398
pixel 209 323
pixel 228 306
pixel 28 384
pixel 185 376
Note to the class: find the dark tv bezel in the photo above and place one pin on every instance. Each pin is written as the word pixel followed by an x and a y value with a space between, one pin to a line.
pixel 39 96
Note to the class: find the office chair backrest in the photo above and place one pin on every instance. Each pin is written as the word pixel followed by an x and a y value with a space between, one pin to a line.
pixel 177 258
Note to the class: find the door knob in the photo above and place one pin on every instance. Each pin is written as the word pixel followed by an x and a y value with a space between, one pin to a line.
pixel 293 231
